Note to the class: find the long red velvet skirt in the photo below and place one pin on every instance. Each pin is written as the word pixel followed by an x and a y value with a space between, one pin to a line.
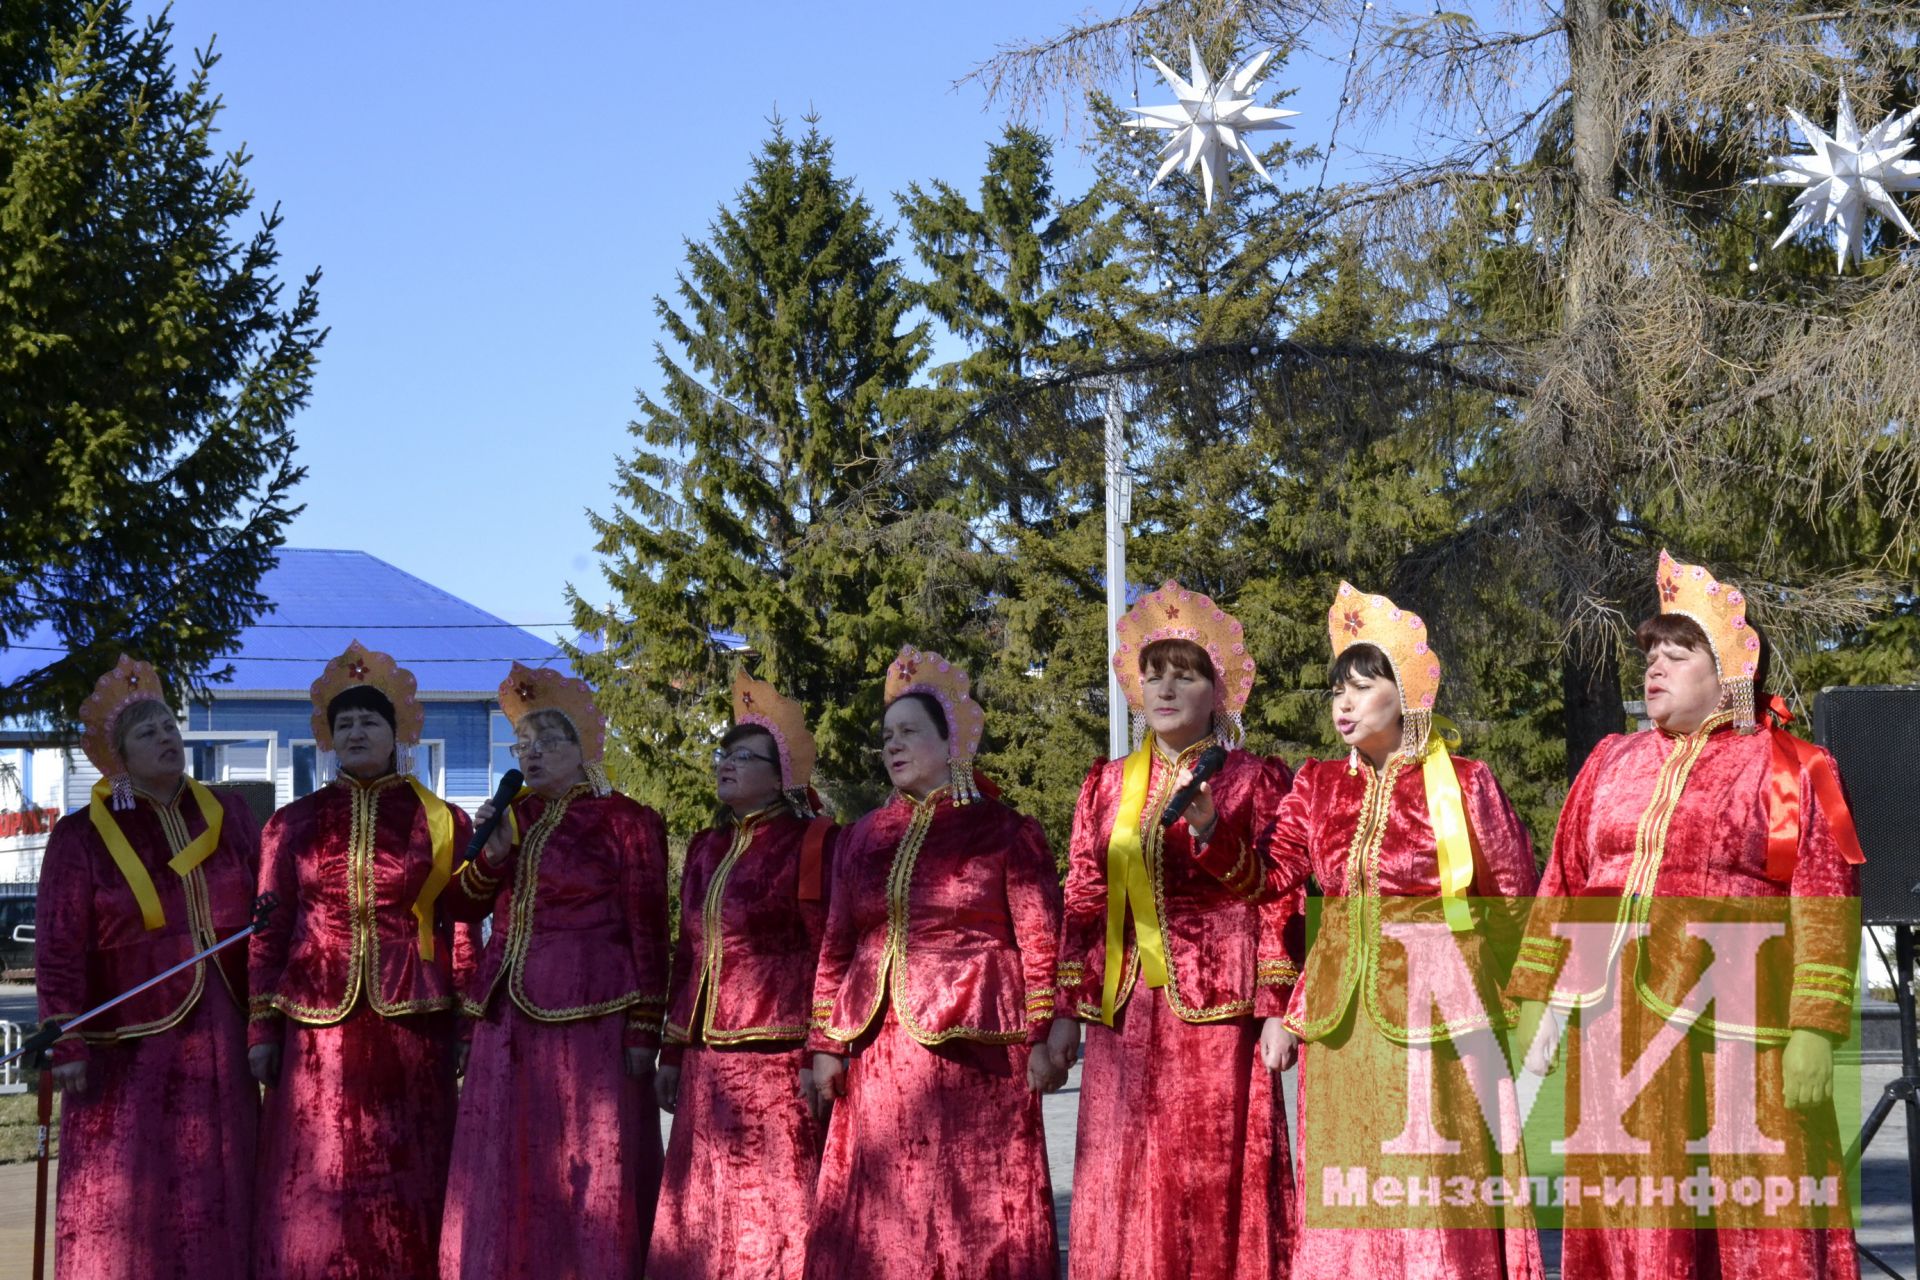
pixel 156 1157
pixel 556 1159
pixel 1353 1099
pixel 1181 1165
pixel 935 1168
pixel 1675 1107
pixel 354 1143
pixel 741 1167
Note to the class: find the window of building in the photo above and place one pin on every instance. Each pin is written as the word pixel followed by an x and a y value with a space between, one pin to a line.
pixel 430 763
pixel 306 763
pixel 501 732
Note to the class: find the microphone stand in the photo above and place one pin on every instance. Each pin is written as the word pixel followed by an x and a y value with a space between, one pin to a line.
pixel 51 1030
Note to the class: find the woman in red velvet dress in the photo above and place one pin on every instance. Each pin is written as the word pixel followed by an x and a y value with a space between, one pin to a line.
pixel 158 1114
pixel 1423 864
pixel 932 1007
pixel 1177 958
pixel 1709 818
pixel 556 1160
pixel 745 1151
pixel 354 985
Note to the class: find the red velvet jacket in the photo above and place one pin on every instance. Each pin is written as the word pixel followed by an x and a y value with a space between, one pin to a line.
pixel 591 937
pixel 91 942
pixel 743 967
pixel 1368 841
pixel 1654 816
pixel 951 913
pixel 347 864
pixel 1233 949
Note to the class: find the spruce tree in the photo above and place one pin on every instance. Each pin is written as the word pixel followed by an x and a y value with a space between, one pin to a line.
pixel 150 364
pixel 1012 277
pixel 1576 248
pixel 736 513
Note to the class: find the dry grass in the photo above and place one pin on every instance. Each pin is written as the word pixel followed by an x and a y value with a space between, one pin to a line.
pixel 19 1115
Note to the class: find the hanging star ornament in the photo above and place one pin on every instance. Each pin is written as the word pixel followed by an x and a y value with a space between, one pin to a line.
pixel 1211 120
pixel 1845 173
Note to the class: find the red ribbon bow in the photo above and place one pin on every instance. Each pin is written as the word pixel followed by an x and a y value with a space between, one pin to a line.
pixel 1792 756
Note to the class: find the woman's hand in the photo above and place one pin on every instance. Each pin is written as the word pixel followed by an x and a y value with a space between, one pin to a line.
pixel 263 1060
pixel 1200 813
pixel 1048 1061
pixel 639 1063
pixel 828 1081
pixel 1806 1070
pixel 666 1087
pixel 499 844
pixel 1063 1043
pixel 1278 1046
pixel 1537 1036
pixel 70 1077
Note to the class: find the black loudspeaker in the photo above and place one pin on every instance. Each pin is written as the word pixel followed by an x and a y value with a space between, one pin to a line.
pixel 259 798
pixel 1873 731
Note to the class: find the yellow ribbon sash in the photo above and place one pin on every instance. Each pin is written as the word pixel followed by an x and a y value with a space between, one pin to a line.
pixel 1452 838
pixel 197 851
pixel 440 831
pixel 1128 885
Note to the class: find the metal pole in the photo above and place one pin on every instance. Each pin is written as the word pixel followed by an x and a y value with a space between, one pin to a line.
pixel 1909 1065
pixel 1119 512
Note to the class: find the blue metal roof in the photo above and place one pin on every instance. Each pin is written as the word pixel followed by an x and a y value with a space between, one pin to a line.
pixel 322 600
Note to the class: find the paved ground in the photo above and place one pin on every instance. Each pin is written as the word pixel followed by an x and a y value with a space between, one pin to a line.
pixel 1886 1225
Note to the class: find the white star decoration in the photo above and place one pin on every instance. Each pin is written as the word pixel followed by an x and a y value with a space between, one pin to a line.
pixel 1845 173
pixel 1211 120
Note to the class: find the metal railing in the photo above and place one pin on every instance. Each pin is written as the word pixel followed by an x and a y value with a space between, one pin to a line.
pixel 11 1080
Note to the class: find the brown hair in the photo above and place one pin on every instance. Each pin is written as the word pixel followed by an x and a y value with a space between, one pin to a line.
pixel 135 715
pixel 1174 654
pixel 1367 661
pixel 741 732
pixel 935 712
pixel 547 718
pixel 1679 629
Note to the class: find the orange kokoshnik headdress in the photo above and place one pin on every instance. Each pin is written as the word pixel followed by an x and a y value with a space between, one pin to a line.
pixel 129 682
pixel 1721 612
pixel 1402 637
pixel 360 666
pixel 924 671
pixel 758 703
pixel 527 690
pixel 1175 613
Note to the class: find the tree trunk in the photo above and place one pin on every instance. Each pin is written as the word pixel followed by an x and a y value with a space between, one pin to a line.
pixel 1590 690
pixel 1590 669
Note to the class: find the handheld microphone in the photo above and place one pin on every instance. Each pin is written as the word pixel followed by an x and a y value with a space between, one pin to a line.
pixel 510 783
pixel 1205 767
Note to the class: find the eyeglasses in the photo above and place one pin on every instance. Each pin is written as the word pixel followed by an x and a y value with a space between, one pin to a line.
pixel 740 755
pixel 538 747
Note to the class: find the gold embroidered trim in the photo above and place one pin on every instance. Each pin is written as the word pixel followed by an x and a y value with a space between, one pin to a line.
pixel 477 884
pixel 1369 831
pixel 645 1011
pixel 891 982
pixel 1275 973
pixel 363 948
pixel 746 833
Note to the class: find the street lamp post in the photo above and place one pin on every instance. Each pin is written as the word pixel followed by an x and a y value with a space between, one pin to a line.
pixel 1119 512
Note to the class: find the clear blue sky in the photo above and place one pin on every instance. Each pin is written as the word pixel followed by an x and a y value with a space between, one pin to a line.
pixel 497 192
